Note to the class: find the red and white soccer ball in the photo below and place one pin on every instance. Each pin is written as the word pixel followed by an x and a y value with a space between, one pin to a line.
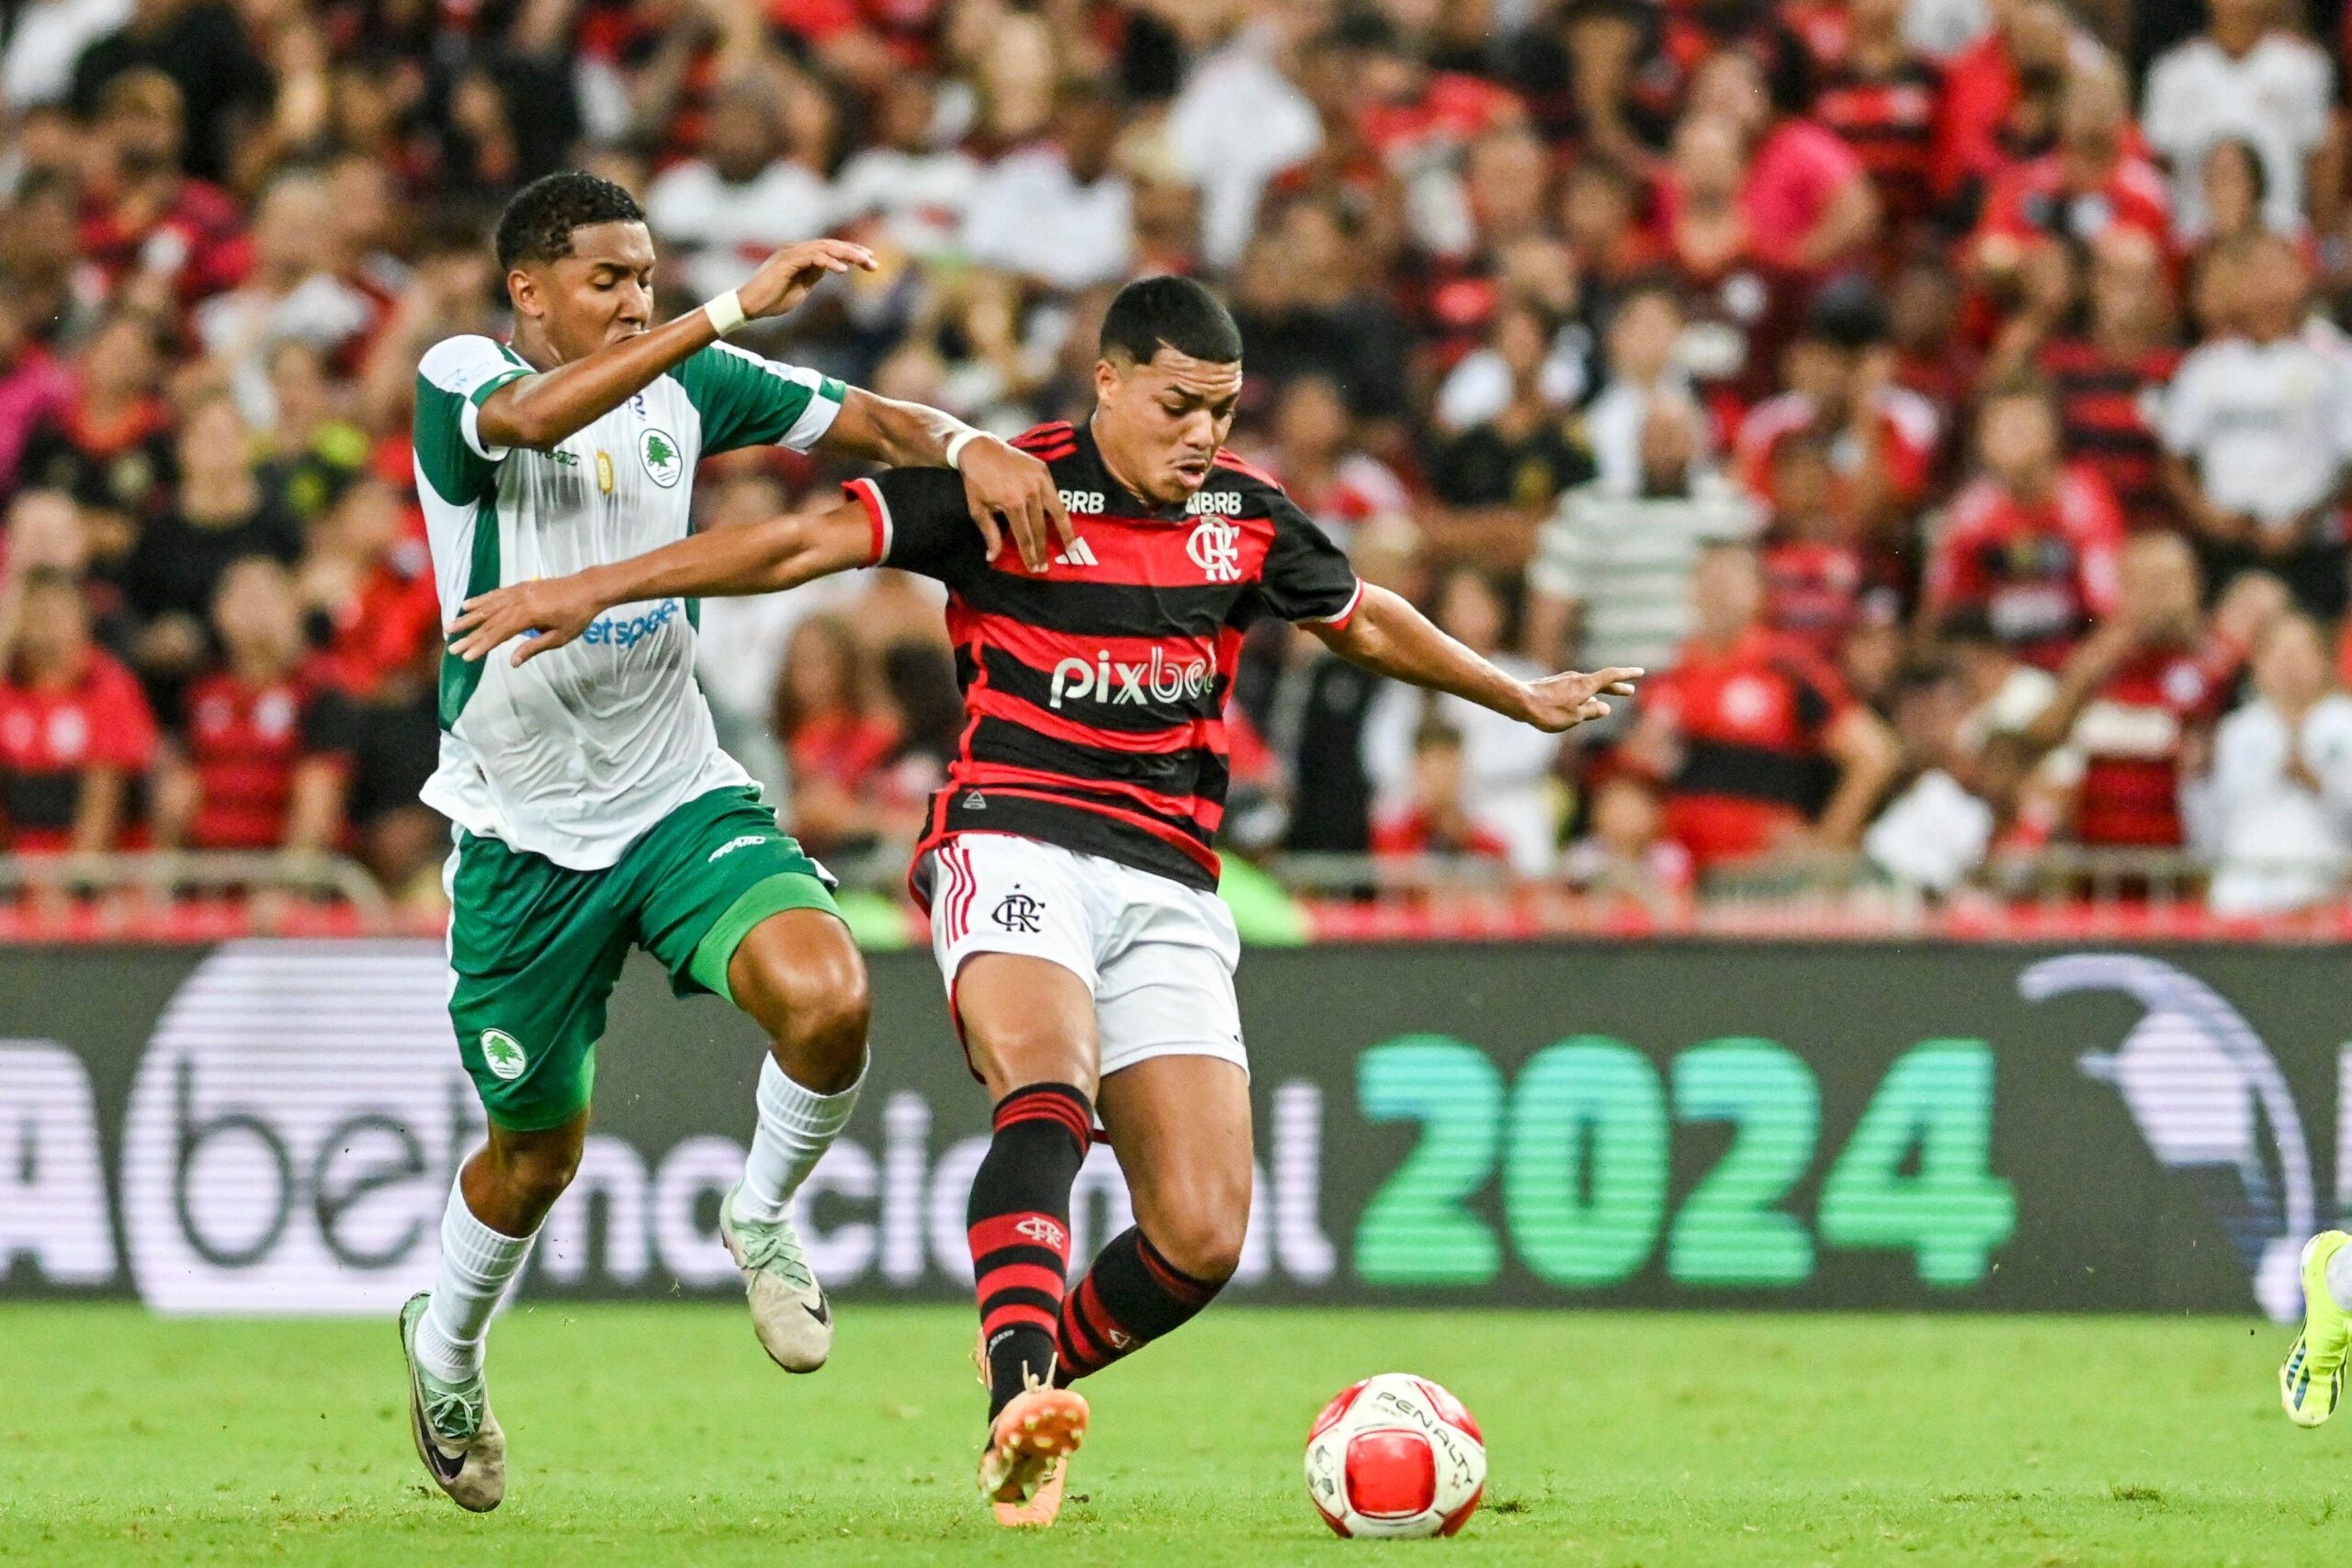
pixel 1395 1458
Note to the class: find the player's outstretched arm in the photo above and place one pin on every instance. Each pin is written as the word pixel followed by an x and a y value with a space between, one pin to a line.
pixel 1000 481
pixel 1387 636
pixel 760 558
pixel 539 410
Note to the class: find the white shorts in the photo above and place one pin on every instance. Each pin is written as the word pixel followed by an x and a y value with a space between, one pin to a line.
pixel 1158 955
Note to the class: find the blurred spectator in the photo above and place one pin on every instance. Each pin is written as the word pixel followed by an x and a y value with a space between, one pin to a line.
pixel 203 47
pixel 266 760
pixel 291 296
pixel 1822 579
pixel 2247 80
pixel 2258 423
pixel 746 195
pixel 1644 330
pixel 2137 699
pixel 2235 191
pixel 1884 100
pixel 1507 767
pixel 33 390
pixel 1059 213
pixel 77 735
pixel 1306 301
pixel 314 454
pixel 48 37
pixel 1239 120
pixel 108 444
pixel 1758 747
pixel 164 238
pixel 920 189
pixel 1431 818
pixel 2032 543
pixel 1841 376
pixel 2110 375
pixel 220 510
pixel 2001 91
pixel 1501 475
pixel 1611 583
pixel 2090 183
pixel 1627 853
pixel 2280 796
pixel 1935 832
pixel 1806 200
pixel 1340 485
pixel 836 737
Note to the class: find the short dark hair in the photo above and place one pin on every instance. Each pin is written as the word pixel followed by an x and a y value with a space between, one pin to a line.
pixel 1173 312
pixel 537 225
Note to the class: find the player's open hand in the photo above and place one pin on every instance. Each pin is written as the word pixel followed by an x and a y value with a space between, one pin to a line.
pixel 1003 482
pixel 784 278
pixel 1564 701
pixel 548 612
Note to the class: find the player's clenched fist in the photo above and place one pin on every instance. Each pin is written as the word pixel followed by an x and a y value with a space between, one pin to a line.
pixel 1564 701
pixel 784 278
pixel 555 611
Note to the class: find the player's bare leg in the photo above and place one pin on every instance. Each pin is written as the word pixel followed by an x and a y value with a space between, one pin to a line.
pixel 800 976
pixel 504 1192
pixel 1180 1126
pixel 1030 1027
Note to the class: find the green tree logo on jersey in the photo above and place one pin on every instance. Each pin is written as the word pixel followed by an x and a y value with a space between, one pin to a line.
pixel 661 455
pixel 503 1055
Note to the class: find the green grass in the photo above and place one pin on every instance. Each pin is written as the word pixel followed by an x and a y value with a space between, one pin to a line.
pixel 658 1436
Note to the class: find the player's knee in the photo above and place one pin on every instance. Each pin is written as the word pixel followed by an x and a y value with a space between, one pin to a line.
pixel 1204 1242
pixel 820 1009
pixel 533 1175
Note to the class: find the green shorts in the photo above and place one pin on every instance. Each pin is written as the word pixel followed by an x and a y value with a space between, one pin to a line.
pixel 536 948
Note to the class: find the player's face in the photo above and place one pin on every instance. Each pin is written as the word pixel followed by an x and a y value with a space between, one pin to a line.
pixel 600 294
pixel 1160 422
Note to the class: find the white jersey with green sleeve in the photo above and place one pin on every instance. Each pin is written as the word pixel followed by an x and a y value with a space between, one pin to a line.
pixel 578 752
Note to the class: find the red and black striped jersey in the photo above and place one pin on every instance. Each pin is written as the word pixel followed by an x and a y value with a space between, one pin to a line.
pixel 1094 691
pixel 1891 123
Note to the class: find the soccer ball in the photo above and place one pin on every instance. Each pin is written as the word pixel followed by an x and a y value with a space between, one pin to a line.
pixel 1395 1458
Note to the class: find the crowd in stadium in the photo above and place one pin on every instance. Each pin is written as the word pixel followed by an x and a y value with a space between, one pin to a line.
pixel 1944 409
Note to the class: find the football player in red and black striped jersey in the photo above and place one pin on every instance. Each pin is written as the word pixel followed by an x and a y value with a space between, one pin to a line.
pixel 1069 866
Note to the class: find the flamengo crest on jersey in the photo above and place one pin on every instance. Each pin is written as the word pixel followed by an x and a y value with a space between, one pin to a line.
pixel 1094 692
pixel 576 754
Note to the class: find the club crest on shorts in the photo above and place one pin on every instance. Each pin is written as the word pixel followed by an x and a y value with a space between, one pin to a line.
pixel 1216 548
pixel 503 1055
pixel 659 450
pixel 1017 911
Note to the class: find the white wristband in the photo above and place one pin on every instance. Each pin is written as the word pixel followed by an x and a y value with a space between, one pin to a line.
pixel 726 313
pixel 957 442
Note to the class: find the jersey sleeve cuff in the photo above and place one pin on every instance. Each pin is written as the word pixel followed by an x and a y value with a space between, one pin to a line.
pixel 816 416
pixel 1338 619
pixel 470 414
pixel 878 513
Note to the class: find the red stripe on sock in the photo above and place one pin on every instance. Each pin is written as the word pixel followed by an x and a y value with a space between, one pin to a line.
pixel 1045 1106
pixel 1000 1231
pixel 1106 1329
pixel 1015 1316
pixel 1081 1354
pixel 1184 1286
pixel 1019 1277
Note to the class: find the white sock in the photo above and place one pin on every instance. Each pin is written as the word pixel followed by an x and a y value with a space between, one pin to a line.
pixel 477 1264
pixel 797 1126
pixel 2339 1279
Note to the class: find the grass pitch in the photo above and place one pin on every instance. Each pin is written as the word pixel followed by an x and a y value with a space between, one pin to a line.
pixel 658 1435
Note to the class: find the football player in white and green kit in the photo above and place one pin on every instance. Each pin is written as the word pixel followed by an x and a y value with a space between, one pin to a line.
pixel 594 810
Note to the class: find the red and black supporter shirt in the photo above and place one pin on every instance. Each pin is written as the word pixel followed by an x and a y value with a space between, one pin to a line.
pixel 1891 122
pixel 2130 738
pixel 51 736
pixel 2107 422
pixel 245 739
pixel 1753 720
pixel 1094 692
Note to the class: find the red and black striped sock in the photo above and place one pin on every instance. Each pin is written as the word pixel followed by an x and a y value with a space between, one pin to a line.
pixel 1130 1297
pixel 1019 1217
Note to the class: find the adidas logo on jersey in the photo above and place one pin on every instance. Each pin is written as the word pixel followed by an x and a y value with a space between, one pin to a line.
pixel 1080 553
